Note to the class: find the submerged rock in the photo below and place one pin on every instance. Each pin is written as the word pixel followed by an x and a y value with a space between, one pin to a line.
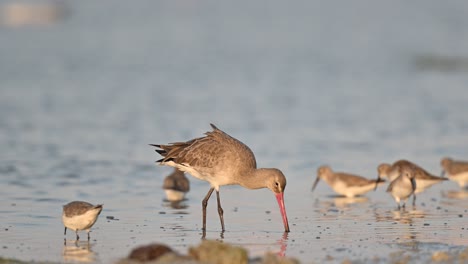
pixel 215 252
pixel 463 256
pixel 440 256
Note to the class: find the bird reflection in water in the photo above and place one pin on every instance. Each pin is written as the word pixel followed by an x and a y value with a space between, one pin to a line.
pixel 406 217
pixel 403 216
pixel 78 251
pixel 283 243
pixel 343 202
pixel 340 202
pixel 177 205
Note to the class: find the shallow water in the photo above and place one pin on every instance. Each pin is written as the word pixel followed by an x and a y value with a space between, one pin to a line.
pixel 303 84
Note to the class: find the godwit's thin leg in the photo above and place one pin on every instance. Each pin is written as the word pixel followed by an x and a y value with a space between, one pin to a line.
pixel 414 200
pixel 77 236
pixel 88 235
pixel 65 232
pixel 204 204
pixel 220 211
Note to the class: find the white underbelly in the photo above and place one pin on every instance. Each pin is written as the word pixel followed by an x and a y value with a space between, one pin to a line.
pixel 422 185
pixel 460 178
pixel 351 191
pixel 174 196
pixel 80 222
pixel 402 193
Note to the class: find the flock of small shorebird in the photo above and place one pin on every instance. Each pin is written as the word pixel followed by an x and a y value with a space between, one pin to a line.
pixel 223 160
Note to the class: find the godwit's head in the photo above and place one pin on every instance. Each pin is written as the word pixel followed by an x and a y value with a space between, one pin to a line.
pixel 276 183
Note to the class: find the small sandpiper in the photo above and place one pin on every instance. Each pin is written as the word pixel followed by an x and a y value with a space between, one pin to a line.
pixel 424 179
pixel 456 171
pixel 176 185
pixel 79 215
pixel 403 186
pixel 346 184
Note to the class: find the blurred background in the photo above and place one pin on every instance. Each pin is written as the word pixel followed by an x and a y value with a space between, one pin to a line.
pixel 111 76
pixel 85 86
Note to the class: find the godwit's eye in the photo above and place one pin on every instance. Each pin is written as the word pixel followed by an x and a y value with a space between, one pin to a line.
pixel 277 184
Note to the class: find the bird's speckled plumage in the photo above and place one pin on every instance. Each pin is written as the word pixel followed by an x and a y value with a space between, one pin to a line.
pixel 78 208
pixel 206 157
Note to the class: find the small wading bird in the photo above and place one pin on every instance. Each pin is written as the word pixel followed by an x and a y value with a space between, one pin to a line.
pixel 403 186
pixel 424 179
pixel 80 215
pixel 223 160
pixel 176 185
pixel 346 184
pixel 455 170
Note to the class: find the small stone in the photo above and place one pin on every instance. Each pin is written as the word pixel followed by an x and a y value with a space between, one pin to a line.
pixel 149 252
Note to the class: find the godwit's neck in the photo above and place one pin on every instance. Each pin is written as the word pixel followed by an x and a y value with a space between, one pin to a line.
pixel 255 178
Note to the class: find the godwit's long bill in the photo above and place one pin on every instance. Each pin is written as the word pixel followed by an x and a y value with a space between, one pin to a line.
pixel 223 160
